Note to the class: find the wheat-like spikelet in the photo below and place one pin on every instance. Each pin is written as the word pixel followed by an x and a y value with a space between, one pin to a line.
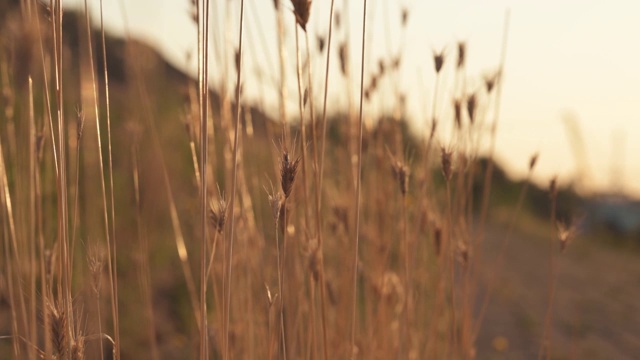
pixel 58 324
pixel 77 348
pixel 288 171
pixel 218 214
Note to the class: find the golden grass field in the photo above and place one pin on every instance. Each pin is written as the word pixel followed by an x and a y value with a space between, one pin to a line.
pixel 145 215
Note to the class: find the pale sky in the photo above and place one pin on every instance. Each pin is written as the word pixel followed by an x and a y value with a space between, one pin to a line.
pixel 563 57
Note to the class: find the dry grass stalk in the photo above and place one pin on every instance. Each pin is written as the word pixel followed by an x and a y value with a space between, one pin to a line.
pixel 111 192
pixel 111 259
pixel 234 183
pixel 352 347
pixel 277 201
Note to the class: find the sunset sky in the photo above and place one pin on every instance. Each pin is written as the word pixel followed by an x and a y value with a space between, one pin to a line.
pixel 576 59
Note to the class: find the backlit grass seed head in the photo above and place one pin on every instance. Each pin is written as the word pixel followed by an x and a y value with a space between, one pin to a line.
pixel 437 239
pixel 218 214
pixel 80 124
pixel 566 233
pixel 57 327
pixel 401 172
pixel 321 43
pixel 434 126
pixel 404 17
pixel 395 62
pixel 463 253
pixel 302 9
pixel 381 67
pixel 270 298
pixel 462 53
pixel 343 54
pixel 237 59
pixel 533 161
pixel 77 348
pixel 438 60
pixel 275 201
pixel 553 188
pixel 446 157
pixel 288 171
pixel 457 109
pixel 472 104
pixel 490 81
pixel 374 83
pixel 96 264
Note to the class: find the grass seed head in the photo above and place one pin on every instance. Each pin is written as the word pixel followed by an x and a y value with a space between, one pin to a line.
pixel 434 126
pixel 472 104
pixel 438 60
pixel 404 17
pixel 218 214
pixel 321 43
pixel 79 124
pixel 490 81
pixel 446 157
pixel 77 348
pixel 395 62
pixel 401 172
pixel 457 109
pixel 463 253
pixel 288 171
pixel 270 298
pixel 96 263
pixel 533 161
pixel 343 54
pixel 462 53
pixel 553 188
pixel 57 327
pixel 302 9
pixel 275 201
pixel 566 233
pixel 437 239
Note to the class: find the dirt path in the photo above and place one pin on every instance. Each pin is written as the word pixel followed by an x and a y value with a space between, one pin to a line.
pixel 596 308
